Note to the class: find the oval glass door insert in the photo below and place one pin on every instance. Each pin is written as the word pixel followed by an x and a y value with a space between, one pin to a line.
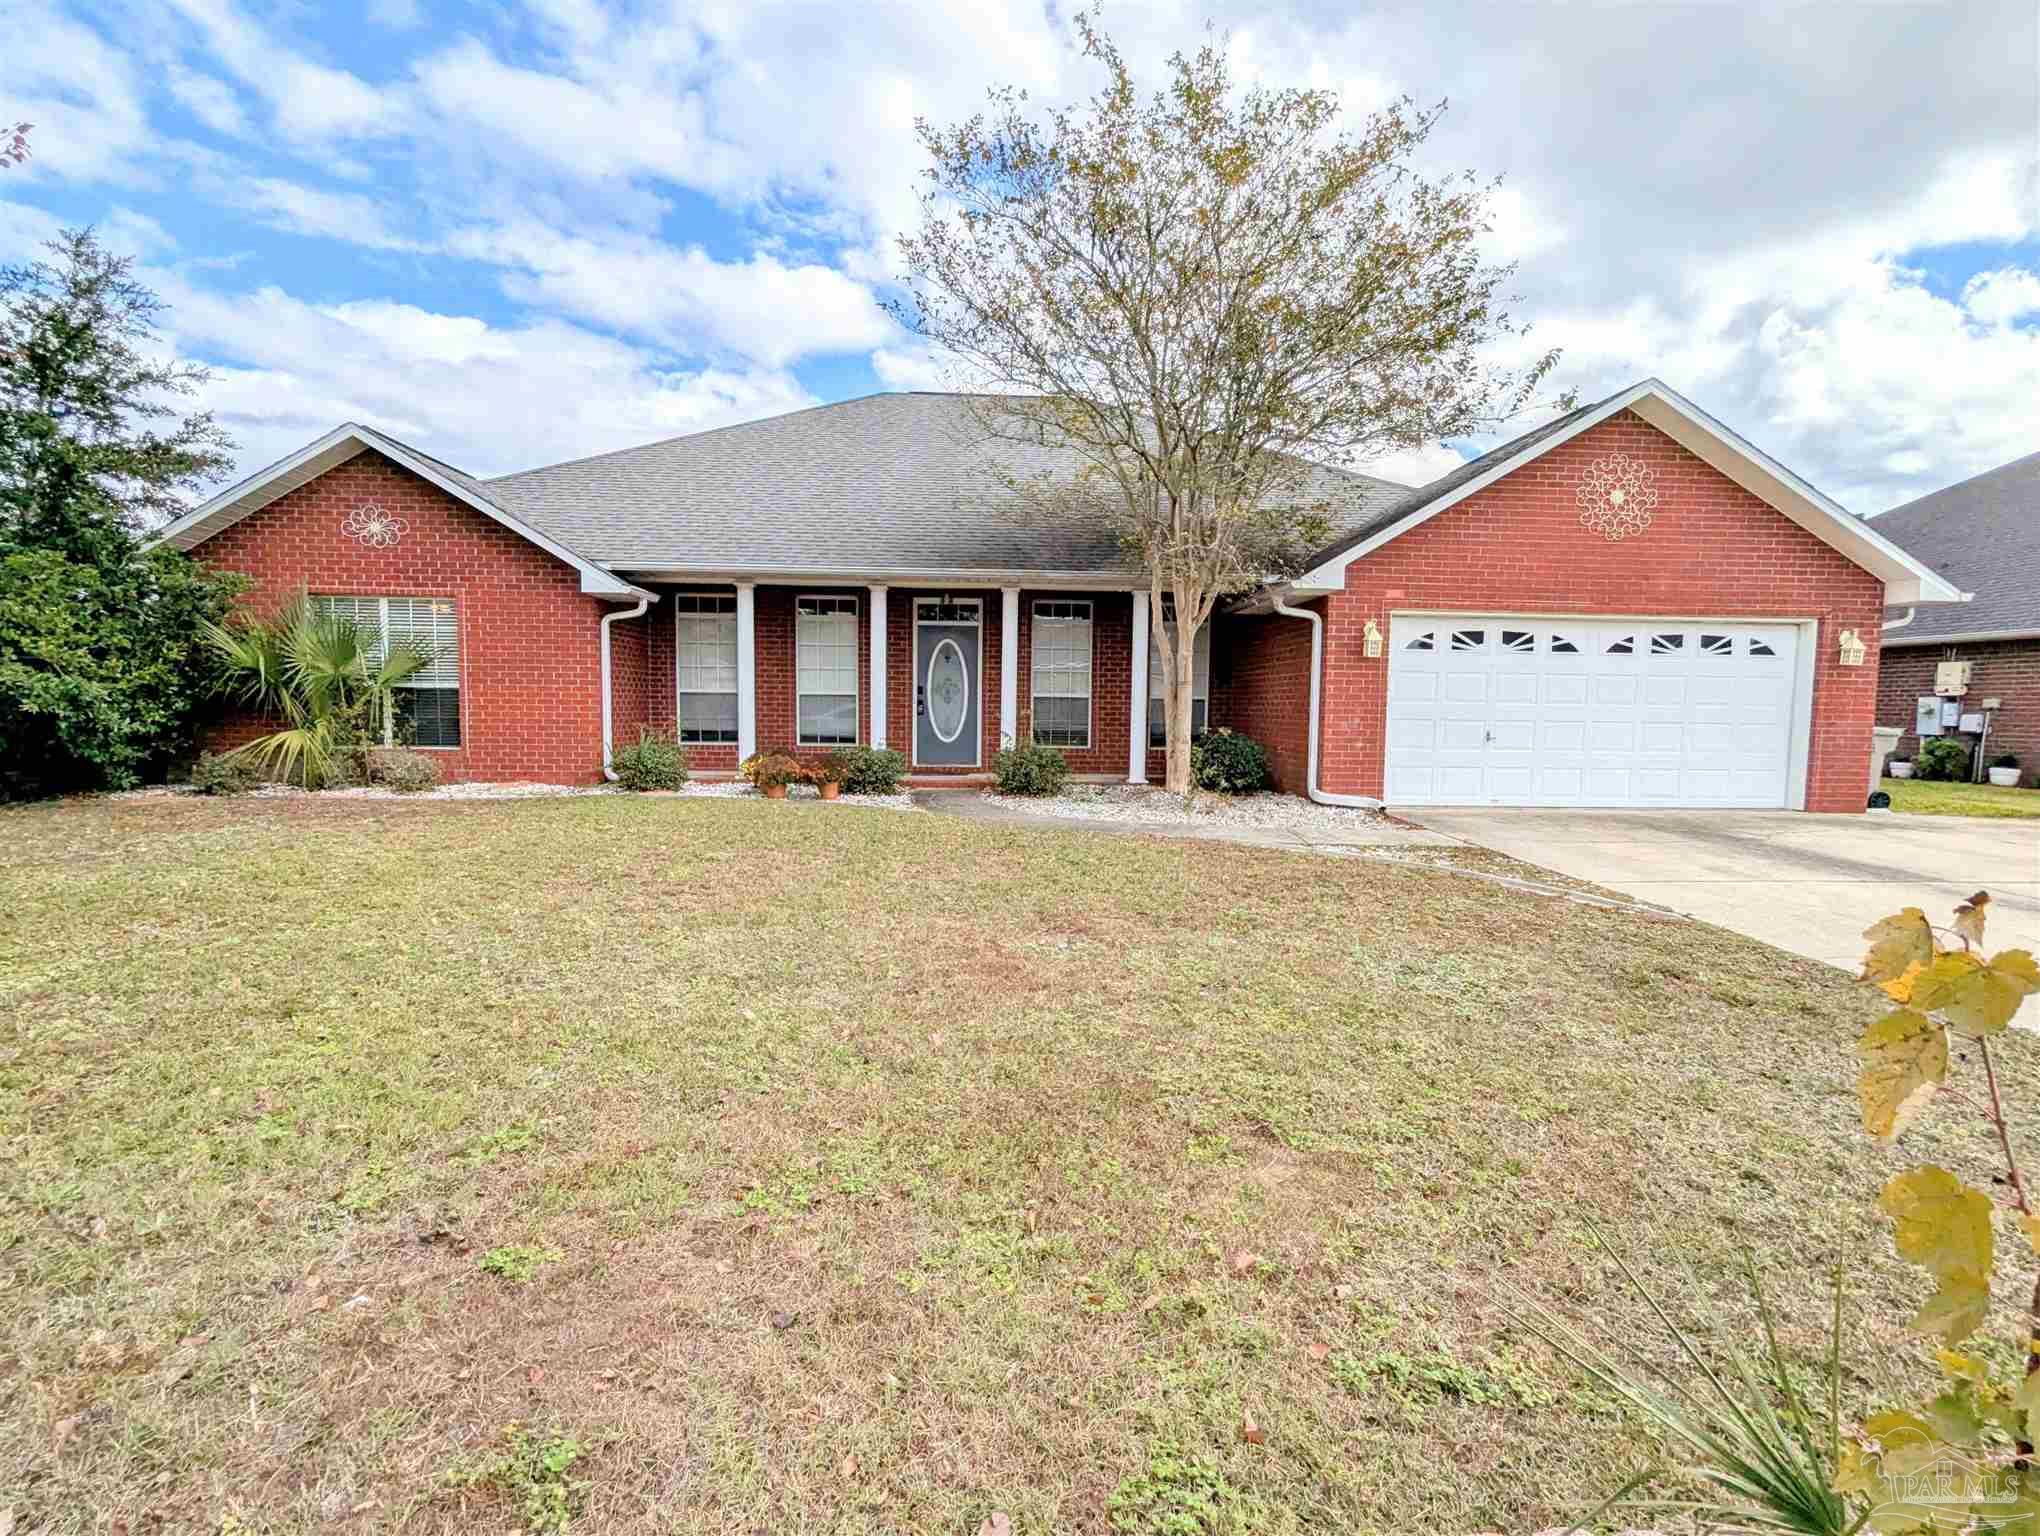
pixel 948 691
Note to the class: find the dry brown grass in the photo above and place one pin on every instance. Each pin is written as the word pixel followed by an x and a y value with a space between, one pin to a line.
pixel 899 1169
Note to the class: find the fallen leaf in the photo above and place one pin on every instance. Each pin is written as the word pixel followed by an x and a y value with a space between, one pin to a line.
pixel 848 1466
pixel 323 1304
pixel 1319 1350
pixel 62 1432
pixel 535 1375
pixel 784 1320
pixel 997 1523
pixel 1249 1430
pixel 1242 1261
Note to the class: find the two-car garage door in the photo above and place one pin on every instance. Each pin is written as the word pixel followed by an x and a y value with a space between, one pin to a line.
pixel 1601 712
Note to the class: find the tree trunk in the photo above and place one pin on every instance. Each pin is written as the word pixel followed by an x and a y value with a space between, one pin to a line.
pixel 1181 690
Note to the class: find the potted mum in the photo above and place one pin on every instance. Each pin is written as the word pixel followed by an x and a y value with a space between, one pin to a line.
pixel 2004 770
pixel 828 774
pixel 771 772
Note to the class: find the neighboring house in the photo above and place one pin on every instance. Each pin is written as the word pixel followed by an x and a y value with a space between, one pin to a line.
pixel 1628 606
pixel 1983 536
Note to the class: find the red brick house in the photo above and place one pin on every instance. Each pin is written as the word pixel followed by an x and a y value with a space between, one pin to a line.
pixel 1628 606
pixel 1982 535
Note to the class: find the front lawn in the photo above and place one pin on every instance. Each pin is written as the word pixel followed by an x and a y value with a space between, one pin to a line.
pixel 1921 798
pixel 823 1169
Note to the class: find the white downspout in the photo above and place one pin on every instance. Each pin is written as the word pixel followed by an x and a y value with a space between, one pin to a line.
pixel 1910 615
pixel 1317 674
pixel 608 714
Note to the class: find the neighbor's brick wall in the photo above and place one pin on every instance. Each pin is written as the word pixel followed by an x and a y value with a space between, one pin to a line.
pixel 2005 669
pixel 1266 659
pixel 1712 550
pixel 530 675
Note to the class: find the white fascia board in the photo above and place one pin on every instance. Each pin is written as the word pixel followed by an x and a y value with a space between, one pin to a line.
pixel 1967 637
pixel 1905 579
pixel 337 447
pixel 889 576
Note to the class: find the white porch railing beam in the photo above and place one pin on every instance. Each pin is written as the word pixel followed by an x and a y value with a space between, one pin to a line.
pixel 878 627
pixel 1137 701
pixel 1009 665
pixel 747 669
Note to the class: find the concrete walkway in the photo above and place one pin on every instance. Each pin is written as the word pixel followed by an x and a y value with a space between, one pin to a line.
pixel 1808 884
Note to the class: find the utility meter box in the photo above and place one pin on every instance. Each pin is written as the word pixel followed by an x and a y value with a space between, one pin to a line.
pixel 1927 717
pixel 1951 678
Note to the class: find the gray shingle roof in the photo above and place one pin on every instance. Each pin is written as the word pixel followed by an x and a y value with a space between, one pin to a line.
pixel 887 483
pixel 1409 503
pixel 1983 535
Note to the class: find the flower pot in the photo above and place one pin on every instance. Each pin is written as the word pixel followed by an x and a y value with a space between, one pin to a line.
pixel 775 791
pixel 1899 770
pixel 830 791
pixel 2005 778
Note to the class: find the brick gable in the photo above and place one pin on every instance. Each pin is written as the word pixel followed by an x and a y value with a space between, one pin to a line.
pixel 1713 550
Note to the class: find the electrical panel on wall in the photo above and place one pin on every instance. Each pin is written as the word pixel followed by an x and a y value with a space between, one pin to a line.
pixel 1952 678
pixel 1927 717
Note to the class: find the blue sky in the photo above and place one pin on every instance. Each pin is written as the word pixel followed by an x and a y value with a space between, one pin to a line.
pixel 517 232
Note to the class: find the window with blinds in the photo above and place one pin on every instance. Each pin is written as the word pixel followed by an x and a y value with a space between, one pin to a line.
pixel 706 647
pixel 427 710
pixel 1200 684
pixel 825 668
pixel 1062 673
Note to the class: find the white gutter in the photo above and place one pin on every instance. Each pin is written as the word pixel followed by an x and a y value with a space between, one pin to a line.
pixel 1910 615
pixel 1317 674
pixel 608 714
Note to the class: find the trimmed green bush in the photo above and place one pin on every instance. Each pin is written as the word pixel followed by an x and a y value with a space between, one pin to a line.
pixel 403 770
pixel 657 761
pixel 1942 758
pixel 223 774
pixel 1228 762
pixel 871 770
pixel 1031 770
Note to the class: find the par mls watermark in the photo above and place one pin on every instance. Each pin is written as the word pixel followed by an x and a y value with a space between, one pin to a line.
pixel 1942 1489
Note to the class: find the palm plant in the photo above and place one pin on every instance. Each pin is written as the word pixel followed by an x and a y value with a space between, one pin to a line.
pixel 329 681
pixel 1762 1457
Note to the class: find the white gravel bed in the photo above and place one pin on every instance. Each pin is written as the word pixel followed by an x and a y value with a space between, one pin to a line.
pixel 736 789
pixel 518 790
pixel 1148 804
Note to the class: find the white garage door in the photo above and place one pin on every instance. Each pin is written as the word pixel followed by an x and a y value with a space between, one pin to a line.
pixel 1616 712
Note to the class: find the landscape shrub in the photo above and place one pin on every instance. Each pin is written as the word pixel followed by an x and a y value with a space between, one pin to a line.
pixel 1031 770
pixel 1942 758
pixel 1228 762
pixel 871 770
pixel 223 774
pixel 656 761
pixel 401 769
pixel 2005 760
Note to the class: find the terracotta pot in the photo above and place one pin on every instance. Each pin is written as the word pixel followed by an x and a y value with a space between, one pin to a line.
pixel 831 791
pixel 775 791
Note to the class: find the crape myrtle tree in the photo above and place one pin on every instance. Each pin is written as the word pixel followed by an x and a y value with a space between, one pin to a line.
pixel 1196 294
pixel 101 672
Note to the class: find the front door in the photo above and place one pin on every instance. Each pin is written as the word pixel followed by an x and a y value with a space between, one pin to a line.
pixel 946 712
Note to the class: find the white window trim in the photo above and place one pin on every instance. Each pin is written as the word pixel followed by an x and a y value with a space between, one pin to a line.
pixel 856 684
pixel 1090 693
pixel 736 692
pixel 460 693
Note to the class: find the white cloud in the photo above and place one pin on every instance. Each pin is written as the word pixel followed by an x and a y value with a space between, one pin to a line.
pixel 305 210
pixel 761 309
pixel 486 398
pixel 312 102
pixel 79 92
pixel 208 99
pixel 1999 298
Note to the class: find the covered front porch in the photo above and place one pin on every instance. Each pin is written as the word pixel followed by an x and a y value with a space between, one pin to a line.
pixel 945 675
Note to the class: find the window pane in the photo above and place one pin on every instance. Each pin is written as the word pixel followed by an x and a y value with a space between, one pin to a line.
pixel 1200 672
pixel 1158 724
pixel 429 717
pixel 708 653
pixel 708 717
pixel 428 623
pixel 1062 654
pixel 828 719
pixel 1062 722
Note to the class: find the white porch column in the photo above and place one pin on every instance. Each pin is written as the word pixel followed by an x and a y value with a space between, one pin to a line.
pixel 1137 704
pixel 747 670
pixel 877 666
pixel 1009 665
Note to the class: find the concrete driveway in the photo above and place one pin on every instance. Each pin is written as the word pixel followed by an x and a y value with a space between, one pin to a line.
pixel 1809 884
